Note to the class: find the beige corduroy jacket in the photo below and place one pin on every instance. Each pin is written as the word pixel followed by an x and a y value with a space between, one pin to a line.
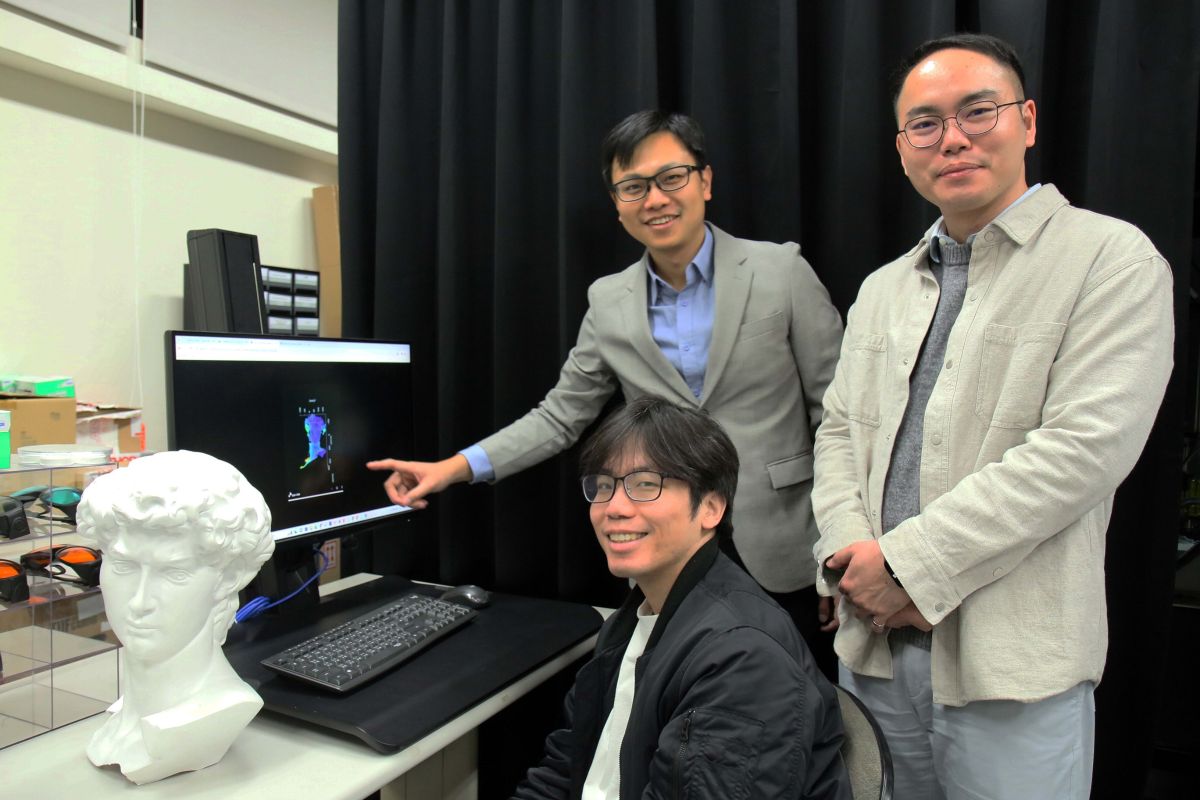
pixel 1053 372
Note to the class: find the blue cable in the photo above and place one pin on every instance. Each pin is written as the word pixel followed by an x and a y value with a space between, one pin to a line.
pixel 260 604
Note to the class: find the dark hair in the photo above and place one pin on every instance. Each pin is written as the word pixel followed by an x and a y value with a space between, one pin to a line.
pixel 998 50
pixel 685 443
pixel 626 135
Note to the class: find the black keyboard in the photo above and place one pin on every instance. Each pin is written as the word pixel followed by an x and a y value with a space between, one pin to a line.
pixel 366 647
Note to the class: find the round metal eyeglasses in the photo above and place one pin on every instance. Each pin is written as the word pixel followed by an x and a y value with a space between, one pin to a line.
pixel 973 119
pixel 641 486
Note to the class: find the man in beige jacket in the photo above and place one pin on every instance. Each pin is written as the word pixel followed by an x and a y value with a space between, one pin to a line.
pixel 996 383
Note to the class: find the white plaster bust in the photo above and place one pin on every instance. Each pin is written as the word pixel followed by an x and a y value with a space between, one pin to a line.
pixel 181 533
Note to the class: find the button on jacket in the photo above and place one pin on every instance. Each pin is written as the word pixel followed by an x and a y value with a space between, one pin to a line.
pixel 1053 373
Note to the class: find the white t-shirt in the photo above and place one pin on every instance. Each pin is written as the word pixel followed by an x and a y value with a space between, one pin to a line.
pixel 604 778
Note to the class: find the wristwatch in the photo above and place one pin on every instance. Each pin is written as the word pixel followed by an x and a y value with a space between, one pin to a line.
pixel 892 574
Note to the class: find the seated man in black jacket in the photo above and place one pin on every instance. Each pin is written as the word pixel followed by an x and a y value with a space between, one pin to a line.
pixel 727 701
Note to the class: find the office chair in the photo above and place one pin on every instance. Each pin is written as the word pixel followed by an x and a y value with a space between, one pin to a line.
pixel 865 751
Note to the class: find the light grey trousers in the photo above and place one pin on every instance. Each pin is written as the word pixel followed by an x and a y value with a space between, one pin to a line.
pixel 986 750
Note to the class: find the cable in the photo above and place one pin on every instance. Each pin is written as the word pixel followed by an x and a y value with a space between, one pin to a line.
pixel 260 604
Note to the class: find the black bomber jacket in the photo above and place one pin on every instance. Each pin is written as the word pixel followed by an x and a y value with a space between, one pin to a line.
pixel 728 702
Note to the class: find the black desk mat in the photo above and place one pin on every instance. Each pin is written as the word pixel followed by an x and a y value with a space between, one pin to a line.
pixel 507 640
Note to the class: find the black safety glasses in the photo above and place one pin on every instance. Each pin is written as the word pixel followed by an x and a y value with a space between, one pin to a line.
pixel 13 523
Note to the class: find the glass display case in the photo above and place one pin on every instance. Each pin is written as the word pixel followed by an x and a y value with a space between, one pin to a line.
pixel 58 656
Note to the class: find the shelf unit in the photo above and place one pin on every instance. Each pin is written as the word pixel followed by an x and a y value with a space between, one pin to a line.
pixel 58 656
pixel 292 298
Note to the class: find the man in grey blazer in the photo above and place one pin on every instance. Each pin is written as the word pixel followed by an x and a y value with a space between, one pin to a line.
pixel 742 329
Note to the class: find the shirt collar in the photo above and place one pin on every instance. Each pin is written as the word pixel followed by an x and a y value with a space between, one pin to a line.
pixel 701 267
pixel 937 232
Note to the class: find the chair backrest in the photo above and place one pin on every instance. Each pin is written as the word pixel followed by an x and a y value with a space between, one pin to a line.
pixel 865 751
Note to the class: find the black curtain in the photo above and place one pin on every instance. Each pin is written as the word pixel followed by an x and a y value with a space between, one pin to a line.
pixel 473 218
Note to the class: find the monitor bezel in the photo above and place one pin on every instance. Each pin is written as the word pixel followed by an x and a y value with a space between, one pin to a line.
pixel 315 537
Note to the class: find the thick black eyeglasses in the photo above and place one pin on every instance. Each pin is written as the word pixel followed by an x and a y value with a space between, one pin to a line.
pixel 671 179
pixel 973 119
pixel 641 486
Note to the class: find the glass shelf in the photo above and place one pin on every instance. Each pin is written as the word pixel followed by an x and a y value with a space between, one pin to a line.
pixel 58 656
pixel 15 466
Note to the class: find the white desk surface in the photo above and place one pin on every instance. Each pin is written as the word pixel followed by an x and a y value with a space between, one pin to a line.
pixel 275 757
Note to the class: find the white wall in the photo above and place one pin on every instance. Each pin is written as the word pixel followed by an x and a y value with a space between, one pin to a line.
pixel 93 224
pixel 236 44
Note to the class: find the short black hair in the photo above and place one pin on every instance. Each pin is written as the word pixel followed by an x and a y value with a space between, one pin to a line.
pixel 996 49
pixel 685 443
pixel 626 135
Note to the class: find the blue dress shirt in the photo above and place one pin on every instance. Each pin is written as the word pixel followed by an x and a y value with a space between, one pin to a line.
pixel 681 321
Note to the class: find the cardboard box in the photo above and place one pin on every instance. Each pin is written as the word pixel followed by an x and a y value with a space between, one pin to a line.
pixel 117 427
pixel 40 420
pixel 327 231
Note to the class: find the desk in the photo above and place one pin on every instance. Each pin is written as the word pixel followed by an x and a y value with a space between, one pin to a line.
pixel 275 757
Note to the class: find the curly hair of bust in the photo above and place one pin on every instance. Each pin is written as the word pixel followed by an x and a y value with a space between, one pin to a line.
pixel 190 496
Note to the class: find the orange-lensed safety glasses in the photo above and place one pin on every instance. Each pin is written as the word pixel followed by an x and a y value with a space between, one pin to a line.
pixel 13 586
pixel 68 562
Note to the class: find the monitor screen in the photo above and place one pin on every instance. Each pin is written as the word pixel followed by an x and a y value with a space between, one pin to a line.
pixel 299 417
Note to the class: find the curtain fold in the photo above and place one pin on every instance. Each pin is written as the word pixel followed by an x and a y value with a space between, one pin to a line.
pixel 474 217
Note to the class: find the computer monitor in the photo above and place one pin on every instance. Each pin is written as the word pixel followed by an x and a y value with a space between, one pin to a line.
pixel 299 418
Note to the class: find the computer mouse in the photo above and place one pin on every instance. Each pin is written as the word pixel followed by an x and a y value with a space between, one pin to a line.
pixel 468 595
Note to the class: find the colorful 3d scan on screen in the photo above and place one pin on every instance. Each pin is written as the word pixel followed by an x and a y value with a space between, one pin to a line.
pixel 314 428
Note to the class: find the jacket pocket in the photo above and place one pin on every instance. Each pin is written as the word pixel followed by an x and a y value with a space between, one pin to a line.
pixel 717 754
pixel 790 471
pixel 866 367
pixel 759 327
pixel 1014 373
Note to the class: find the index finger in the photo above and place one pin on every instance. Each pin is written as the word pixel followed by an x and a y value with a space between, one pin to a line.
pixel 839 559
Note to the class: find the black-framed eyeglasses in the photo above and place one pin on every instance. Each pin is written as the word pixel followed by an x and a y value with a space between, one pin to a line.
pixel 973 119
pixel 641 486
pixel 671 179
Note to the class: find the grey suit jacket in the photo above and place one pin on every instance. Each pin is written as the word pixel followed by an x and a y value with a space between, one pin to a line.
pixel 775 344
